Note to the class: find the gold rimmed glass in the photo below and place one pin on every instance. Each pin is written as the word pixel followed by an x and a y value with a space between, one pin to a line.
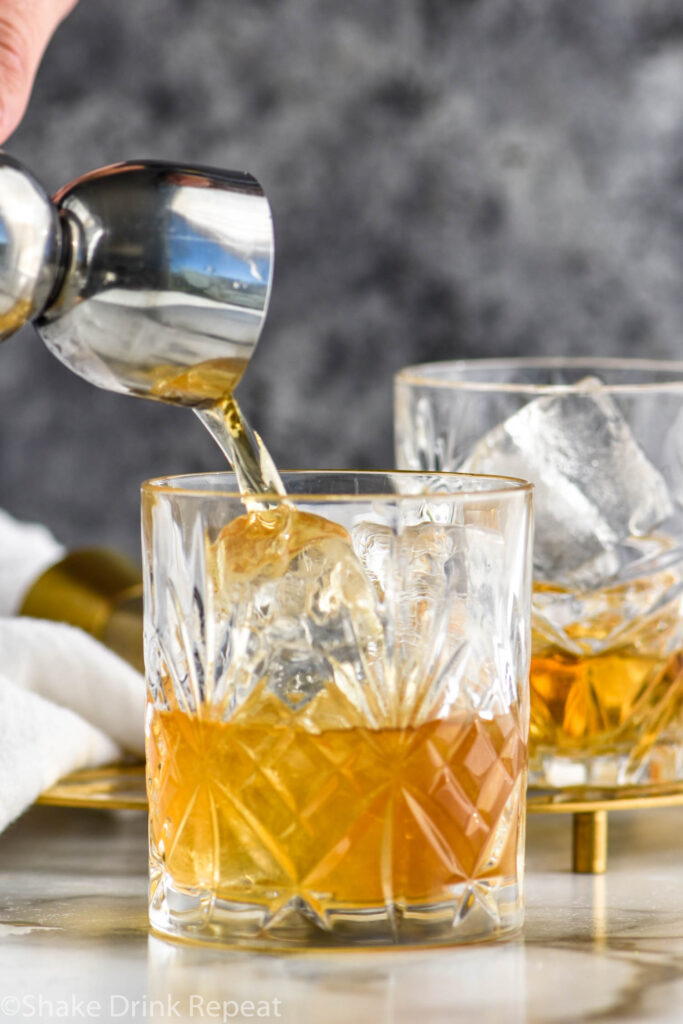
pixel 337 708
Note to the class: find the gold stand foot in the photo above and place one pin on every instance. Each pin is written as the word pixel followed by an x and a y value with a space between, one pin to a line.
pixel 589 842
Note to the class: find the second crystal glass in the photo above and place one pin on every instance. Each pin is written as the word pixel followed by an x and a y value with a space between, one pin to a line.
pixel 602 441
pixel 337 708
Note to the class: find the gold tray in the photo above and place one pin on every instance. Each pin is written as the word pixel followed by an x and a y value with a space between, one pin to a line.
pixel 116 787
pixel 122 787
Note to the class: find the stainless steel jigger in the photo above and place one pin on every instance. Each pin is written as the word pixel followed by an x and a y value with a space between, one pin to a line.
pixel 136 266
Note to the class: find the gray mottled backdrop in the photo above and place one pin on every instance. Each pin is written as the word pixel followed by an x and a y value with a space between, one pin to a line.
pixel 447 178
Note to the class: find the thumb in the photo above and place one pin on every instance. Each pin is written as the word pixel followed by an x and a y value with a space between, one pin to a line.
pixel 26 27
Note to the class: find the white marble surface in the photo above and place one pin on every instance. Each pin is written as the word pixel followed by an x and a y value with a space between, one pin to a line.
pixel 74 944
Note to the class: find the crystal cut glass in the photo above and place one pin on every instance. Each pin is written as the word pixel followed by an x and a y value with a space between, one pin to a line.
pixel 602 442
pixel 337 708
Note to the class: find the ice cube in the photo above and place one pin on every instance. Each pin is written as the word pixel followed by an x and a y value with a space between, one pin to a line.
pixel 300 611
pixel 594 485
pixel 374 544
pixel 641 610
pixel 439 583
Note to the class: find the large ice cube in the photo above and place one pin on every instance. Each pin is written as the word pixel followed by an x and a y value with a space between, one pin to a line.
pixel 451 641
pixel 640 611
pixel 594 485
pixel 300 615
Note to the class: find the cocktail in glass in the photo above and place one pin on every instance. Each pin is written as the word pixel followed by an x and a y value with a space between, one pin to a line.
pixel 337 708
pixel 602 441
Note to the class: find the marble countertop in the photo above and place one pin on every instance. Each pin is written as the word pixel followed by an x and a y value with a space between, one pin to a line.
pixel 74 942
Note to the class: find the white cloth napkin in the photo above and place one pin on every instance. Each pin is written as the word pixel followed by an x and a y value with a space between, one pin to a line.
pixel 66 701
pixel 26 551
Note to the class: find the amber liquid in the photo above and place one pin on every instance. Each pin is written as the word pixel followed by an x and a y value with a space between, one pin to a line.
pixel 208 389
pixel 203 384
pixel 619 698
pixel 259 812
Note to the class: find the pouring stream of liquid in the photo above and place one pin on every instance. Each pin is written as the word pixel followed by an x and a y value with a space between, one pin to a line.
pixel 244 449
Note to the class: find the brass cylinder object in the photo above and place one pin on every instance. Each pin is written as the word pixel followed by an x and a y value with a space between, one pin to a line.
pixel 589 842
pixel 99 591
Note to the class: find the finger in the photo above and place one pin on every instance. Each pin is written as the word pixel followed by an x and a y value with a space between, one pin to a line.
pixel 26 27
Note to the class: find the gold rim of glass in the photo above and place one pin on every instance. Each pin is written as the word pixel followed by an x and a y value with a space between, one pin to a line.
pixel 438 374
pixel 501 487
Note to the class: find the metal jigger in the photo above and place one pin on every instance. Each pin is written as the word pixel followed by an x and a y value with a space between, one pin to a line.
pixel 146 279
pixel 138 271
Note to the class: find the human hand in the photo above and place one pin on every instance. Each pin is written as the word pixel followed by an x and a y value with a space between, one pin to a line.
pixel 26 27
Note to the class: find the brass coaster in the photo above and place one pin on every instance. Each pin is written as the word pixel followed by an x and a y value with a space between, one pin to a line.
pixel 113 787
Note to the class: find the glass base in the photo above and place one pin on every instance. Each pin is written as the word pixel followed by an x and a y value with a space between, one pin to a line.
pixel 480 910
pixel 663 763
